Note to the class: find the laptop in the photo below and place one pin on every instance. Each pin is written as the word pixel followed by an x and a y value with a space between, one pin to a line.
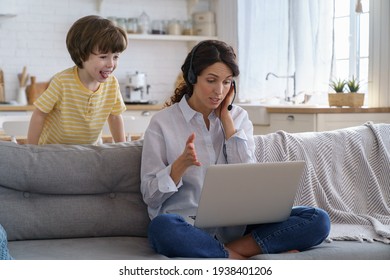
pixel 248 193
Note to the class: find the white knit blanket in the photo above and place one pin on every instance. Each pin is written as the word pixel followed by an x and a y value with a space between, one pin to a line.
pixel 347 174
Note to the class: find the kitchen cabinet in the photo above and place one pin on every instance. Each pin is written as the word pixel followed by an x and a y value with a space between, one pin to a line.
pixel 287 122
pixel 136 122
pixel 317 122
pixel 336 121
pixel 137 117
pixel 14 116
pixel 293 122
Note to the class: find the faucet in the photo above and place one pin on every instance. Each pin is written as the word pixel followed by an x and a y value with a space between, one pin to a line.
pixel 287 98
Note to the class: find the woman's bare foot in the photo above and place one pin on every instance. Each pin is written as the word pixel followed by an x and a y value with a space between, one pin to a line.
pixel 243 248
pixel 235 256
pixel 292 251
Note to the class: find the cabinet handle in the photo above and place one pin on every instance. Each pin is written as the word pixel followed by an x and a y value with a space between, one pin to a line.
pixel 145 113
pixel 290 118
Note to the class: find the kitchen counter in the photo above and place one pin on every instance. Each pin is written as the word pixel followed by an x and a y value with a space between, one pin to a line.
pixel 140 107
pixel 325 109
pixel 306 117
pixel 297 109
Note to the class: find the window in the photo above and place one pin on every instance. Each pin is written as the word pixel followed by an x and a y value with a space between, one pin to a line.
pixel 351 29
pixel 313 40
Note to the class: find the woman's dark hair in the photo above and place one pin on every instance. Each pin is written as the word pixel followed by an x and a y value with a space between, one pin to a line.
pixel 202 56
pixel 94 33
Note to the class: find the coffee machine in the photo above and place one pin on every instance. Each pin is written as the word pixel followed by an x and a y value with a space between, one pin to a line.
pixel 136 89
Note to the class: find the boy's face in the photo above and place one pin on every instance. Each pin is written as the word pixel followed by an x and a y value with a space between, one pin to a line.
pixel 99 66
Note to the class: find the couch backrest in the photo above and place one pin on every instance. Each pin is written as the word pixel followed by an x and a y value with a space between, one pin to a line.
pixel 67 191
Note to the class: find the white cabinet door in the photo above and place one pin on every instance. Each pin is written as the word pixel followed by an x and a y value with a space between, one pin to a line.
pixel 292 122
pixel 135 122
pixel 326 122
pixel 14 116
pixel 261 129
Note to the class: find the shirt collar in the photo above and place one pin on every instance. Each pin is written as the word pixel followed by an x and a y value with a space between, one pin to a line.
pixel 190 113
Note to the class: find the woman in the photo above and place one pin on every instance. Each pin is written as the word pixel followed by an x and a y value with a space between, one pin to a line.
pixel 200 128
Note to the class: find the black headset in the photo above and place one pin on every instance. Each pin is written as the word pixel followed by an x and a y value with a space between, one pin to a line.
pixel 191 76
pixel 230 107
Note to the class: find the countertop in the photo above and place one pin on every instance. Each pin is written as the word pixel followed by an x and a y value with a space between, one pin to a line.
pixel 270 109
pixel 326 110
pixel 312 109
pixel 141 107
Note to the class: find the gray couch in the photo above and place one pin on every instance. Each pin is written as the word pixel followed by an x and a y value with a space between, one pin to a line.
pixel 83 202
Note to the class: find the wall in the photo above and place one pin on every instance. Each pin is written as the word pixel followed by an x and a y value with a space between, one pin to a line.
pixel 36 38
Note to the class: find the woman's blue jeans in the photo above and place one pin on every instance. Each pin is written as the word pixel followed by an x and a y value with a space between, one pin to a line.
pixel 172 236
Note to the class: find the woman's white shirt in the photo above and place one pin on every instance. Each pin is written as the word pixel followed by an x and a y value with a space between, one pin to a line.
pixel 165 140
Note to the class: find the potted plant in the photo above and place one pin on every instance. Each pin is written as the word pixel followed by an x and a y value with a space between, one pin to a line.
pixel 338 85
pixel 337 98
pixel 350 98
pixel 355 99
pixel 353 85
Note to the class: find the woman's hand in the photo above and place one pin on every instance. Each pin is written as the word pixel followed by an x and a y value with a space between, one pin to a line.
pixel 222 111
pixel 224 114
pixel 185 160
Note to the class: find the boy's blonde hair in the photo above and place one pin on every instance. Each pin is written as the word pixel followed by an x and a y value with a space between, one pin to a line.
pixel 92 34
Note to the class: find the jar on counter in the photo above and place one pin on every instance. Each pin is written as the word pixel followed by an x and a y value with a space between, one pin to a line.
pixel 188 28
pixel 122 23
pixel 132 25
pixel 174 27
pixel 158 27
pixel 113 20
pixel 144 23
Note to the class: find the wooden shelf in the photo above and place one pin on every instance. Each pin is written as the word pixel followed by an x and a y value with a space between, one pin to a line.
pixel 185 38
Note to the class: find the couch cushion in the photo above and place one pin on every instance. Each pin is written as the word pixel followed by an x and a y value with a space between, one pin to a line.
pixel 97 248
pixel 71 169
pixel 138 248
pixel 67 191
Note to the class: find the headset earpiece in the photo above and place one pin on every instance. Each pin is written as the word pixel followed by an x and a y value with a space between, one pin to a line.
pixel 191 76
pixel 230 107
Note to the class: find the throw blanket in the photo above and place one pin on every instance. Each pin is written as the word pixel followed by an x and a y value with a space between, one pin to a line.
pixel 347 174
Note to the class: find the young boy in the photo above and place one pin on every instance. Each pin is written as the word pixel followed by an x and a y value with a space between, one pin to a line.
pixel 80 99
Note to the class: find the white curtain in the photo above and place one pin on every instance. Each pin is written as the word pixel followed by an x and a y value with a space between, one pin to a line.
pixel 379 69
pixel 284 37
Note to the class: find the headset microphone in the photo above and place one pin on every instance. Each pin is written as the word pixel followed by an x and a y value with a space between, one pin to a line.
pixel 230 107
